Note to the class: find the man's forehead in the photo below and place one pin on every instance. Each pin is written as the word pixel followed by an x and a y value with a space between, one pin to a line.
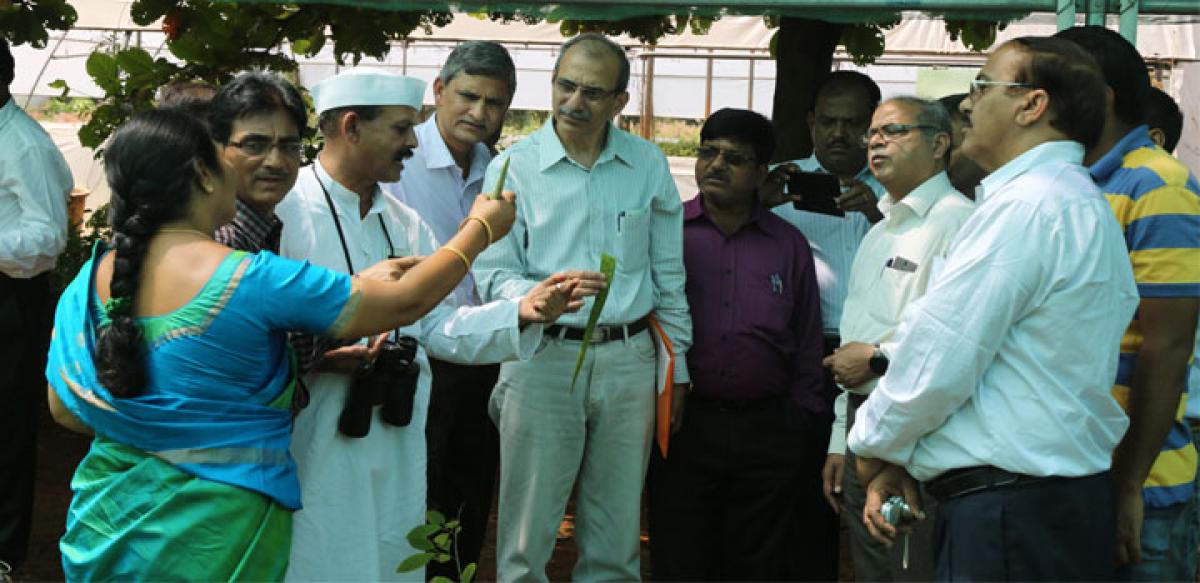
pixel 728 144
pixel 843 103
pixel 265 123
pixel 1004 63
pixel 893 111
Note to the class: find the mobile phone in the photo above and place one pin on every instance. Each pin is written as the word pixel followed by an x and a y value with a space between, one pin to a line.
pixel 819 192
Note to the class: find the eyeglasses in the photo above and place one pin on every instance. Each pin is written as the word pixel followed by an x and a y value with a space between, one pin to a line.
pixel 892 131
pixel 978 86
pixel 256 147
pixel 733 158
pixel 590 93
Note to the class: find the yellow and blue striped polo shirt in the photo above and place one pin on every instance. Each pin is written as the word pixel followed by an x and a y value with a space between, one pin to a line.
pixel 1157 202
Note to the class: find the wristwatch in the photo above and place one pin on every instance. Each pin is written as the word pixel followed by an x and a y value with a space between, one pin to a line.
pixel 879 362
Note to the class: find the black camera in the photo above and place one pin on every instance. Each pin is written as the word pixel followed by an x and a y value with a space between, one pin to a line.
pixel 391 381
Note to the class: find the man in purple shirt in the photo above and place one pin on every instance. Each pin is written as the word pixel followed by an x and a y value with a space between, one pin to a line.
pixel 722 502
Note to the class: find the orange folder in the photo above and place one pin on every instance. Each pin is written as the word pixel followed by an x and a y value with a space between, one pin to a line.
pixel 664 380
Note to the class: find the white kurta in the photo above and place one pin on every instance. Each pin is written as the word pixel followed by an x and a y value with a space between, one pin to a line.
pixel 362 496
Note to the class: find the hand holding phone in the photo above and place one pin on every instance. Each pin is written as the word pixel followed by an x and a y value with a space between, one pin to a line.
pixel 818 193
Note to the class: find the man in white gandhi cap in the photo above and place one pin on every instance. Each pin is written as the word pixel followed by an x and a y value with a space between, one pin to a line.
pixel 359 438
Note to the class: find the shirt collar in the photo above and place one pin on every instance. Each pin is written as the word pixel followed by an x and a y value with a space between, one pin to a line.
pixel 249 214
pixel 438 155
pixel 8 111
pixel 1138 137
pixel 551 151
pixel 1039 155
pixel 345 199
pixel 694 209
pixel 922 198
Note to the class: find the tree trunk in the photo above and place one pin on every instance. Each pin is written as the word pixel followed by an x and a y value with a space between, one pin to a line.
pixel 803 58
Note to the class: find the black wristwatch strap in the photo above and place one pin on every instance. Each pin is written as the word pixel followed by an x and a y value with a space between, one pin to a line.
pixel 879 362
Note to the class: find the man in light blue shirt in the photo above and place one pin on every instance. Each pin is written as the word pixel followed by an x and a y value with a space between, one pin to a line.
pixel 839 119
pixel 440 182
pixel 584 189
pixel 1004 409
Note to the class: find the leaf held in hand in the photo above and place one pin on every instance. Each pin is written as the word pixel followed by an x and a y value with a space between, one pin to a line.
pixel 500 182
pixel 608 266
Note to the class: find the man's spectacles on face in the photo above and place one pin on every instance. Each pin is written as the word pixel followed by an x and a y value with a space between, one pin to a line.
pixel 892 131
pixel 732 157
pixel 590 93
pixel 978 86
pixel 257 147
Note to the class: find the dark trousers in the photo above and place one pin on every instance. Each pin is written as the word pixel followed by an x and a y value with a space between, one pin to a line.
pixel 26 316
pixel 1061 529
pixel 722 505
pixel 464 450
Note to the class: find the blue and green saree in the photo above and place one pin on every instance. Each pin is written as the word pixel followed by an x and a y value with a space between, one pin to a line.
pixel 192 478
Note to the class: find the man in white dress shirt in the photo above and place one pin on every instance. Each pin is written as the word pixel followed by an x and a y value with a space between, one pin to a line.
pixel 997 394
pixel 440 181
pixel 363 494
pixel 34 185
pixel 908 148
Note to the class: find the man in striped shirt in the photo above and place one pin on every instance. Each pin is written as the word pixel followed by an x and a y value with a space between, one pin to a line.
pixel 1157 203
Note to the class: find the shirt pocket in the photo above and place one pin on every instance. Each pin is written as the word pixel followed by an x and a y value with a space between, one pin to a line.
pixel 634 235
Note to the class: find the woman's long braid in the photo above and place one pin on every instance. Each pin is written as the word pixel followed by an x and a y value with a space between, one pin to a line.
pixel 151 165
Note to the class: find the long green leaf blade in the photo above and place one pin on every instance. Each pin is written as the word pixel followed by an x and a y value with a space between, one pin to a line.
pixel 608 266
pixel 500 182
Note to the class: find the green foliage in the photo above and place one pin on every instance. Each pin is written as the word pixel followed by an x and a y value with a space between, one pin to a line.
pixel 80 107
pixel 679 147
pixel 646 29
pixel 27 21
pixel 977 35
pixel 434 541
pixel 864 41
pixel 80 240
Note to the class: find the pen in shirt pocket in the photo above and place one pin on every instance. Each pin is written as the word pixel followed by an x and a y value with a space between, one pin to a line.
pixel 620 219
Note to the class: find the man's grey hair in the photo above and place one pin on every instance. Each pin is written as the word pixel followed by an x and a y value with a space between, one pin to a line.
pixel 612 47
pixel 933 114
pixel 481 57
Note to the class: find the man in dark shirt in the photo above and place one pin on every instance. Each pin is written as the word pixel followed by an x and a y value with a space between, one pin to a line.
pixel 257 117
pixel 723 500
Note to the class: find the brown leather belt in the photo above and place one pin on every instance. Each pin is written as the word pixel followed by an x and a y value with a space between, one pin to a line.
pixel 600 333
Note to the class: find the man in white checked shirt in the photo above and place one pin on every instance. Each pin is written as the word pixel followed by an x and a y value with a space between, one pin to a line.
pixel 587 189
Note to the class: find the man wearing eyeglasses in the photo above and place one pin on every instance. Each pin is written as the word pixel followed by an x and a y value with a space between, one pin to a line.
pixel 258 117
pixel 1157 202
pixel 996 394
pixel 587 188
pixel 722 502
pixel 840 116
pixel 472 93
pixel 908 148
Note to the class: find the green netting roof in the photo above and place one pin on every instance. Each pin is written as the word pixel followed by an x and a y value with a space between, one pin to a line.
pixel 829 10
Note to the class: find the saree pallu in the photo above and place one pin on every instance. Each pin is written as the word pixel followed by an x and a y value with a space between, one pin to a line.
pixel 137 517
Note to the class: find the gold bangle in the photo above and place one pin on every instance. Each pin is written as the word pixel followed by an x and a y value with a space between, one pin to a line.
pixel 491 235
pixel 460 254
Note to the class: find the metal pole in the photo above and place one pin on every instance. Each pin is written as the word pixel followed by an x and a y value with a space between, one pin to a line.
pixel 750 88
pixel 1066 14
pixel 708 87
pixel 1129 20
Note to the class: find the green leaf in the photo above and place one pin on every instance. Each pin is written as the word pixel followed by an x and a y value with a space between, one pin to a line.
pixel 468 573
pixel 102 68
pixel 441 579
pixel 435 517
pixel 442 541
pixel 500 181
pixel 414 562
pixel 419 537
pixel 608 266
pixel 136 62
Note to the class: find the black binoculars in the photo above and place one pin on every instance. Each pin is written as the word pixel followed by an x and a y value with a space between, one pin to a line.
pixel 391 381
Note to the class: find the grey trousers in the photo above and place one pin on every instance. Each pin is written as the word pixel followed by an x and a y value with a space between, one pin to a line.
pixel 872 560
pixel 552 436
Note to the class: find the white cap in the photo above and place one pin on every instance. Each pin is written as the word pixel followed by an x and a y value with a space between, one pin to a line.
pixel 362 86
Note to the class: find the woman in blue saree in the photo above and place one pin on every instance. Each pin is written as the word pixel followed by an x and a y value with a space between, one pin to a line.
pixel 172 350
